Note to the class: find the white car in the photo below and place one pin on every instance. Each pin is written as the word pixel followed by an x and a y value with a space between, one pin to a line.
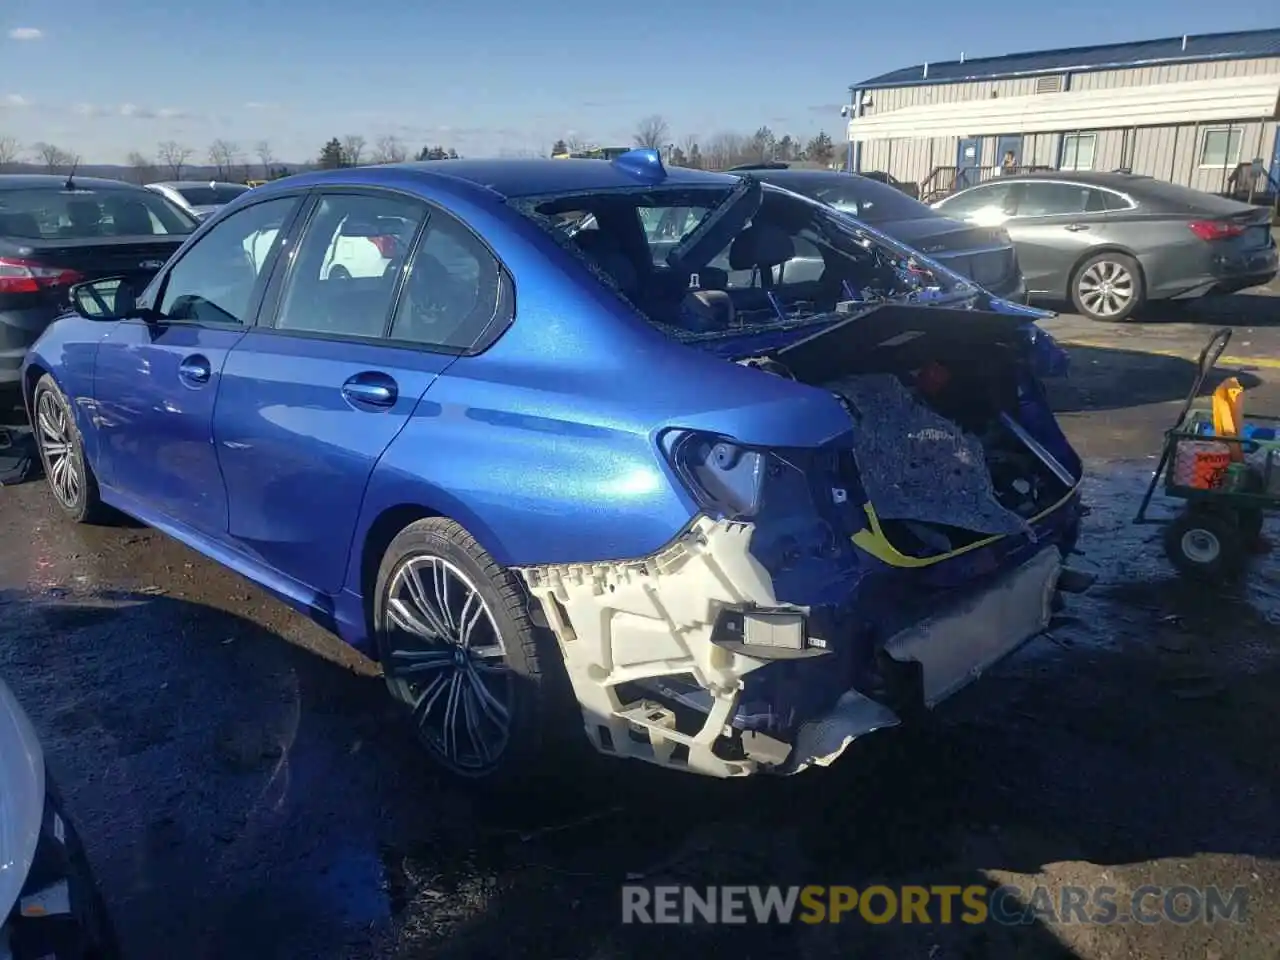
pixel 358 249
pixel 49 905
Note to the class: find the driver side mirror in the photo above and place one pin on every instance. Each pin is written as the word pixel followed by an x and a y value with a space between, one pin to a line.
pixel 112 298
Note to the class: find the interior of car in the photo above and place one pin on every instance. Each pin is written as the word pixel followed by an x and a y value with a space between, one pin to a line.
pixel 784 264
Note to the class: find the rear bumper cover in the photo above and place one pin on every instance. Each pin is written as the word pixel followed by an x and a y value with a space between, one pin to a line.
pixel 665 652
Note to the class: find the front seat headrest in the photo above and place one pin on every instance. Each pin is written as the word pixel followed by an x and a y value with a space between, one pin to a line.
pixel 761 245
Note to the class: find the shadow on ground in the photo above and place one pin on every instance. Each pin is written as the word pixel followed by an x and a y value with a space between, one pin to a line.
pixel 242 795
pixel 1106 378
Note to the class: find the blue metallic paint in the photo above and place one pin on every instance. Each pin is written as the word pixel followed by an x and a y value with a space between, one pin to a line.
pixel 544 446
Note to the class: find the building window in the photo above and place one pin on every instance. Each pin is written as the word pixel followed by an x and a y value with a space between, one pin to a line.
pixel 1220 148
pixel 1077 151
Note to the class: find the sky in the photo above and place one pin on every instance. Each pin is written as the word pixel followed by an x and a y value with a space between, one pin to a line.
pixel 493 77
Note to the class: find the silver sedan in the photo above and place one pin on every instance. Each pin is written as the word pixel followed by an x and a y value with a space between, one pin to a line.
pixel 1109 242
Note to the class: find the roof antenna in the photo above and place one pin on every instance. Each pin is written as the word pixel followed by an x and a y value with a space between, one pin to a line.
pixel 1184 41
pixel 71 183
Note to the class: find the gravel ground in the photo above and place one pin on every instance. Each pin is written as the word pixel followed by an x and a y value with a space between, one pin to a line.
pixel 245 791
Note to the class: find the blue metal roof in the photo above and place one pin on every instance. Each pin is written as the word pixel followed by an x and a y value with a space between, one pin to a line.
pixel 1205 46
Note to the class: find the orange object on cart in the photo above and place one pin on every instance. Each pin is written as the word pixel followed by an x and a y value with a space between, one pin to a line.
pixel 1201 464
pixel 1228 414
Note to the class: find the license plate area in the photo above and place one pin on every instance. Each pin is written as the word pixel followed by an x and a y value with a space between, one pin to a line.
pixel 955 646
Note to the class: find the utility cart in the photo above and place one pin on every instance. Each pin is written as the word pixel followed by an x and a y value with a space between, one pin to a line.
pixel 1228 480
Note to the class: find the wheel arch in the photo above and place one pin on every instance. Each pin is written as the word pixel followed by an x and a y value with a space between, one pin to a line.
pixel 1109 247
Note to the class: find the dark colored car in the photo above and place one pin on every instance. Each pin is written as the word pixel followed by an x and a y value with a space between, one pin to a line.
pixel 551 466
pixel 880 176
pixel 983 254
pixel 55 232
pixel 1109 242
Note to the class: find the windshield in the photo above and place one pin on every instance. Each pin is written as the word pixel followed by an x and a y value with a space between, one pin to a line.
pixel 45 213
pixel 793 263
pixel 211 196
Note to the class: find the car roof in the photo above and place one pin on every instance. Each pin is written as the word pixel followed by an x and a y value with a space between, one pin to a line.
pixel 1116 181
pixel 32 181
pixel 510 178
pixel 196 183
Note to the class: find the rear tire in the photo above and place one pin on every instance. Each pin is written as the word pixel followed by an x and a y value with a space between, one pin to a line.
pixel 70 478
pixel 461 656
pixel 1108 287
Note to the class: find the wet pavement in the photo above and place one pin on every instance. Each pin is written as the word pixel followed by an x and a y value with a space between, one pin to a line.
pixel 245 791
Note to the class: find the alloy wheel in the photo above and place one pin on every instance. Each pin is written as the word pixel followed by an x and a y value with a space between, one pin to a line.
pixel 1201 546
pixel 1106 288
pixel 446 659
pixel 57 444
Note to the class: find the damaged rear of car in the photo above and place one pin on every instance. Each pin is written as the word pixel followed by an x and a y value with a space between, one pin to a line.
pixel 892 522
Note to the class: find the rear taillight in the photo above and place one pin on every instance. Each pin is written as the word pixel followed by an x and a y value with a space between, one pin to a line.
pixel 28 276
pixel 386 245
pixel 1215 229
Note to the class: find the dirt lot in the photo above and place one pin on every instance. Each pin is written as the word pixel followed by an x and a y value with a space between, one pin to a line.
pixel 245 792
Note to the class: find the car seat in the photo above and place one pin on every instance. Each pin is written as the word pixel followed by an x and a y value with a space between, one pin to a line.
pixel 86 219
pixel 19 225
pixel 130 218
pixel 609 257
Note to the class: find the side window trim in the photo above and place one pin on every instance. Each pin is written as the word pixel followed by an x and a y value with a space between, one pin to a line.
pixel 156 290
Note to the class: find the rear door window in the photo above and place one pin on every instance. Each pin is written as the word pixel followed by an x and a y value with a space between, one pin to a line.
pixel 1055 199
pixel 980 202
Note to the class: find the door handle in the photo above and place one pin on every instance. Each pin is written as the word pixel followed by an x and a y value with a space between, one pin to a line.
pixel 195 369
pixel 371 390
pixel 1077 227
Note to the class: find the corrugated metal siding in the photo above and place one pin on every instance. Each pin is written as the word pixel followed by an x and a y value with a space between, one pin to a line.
pixel 1170 153
pixel 1236 45
pixel 899 97
pixel 1148 76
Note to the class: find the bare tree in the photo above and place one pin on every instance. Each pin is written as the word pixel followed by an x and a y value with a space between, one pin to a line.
pixel 263 149
pixel 389 149
pixel 222 154
pixel 174 156
pixel 144 171
pixel 53 157
pixel 10 150
pixel 653 131
pixel 352 149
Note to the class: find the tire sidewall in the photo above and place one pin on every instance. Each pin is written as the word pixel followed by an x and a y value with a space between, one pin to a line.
pixel 1129 264
pixel 525 706
pixel 48 386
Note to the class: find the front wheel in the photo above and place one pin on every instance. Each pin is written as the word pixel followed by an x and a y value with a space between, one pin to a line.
pixel 70 477
pixel 460 654
pixel 1108 287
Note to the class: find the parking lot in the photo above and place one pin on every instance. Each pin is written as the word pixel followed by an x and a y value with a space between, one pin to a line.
pixel 244 789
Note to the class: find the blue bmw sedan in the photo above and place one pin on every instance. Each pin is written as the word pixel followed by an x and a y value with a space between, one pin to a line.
pixel 693 464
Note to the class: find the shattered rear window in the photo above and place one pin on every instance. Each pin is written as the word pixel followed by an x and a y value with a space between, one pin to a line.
pixel 834 260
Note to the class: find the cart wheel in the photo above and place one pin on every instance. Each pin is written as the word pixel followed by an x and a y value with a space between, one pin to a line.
pixel 1207 546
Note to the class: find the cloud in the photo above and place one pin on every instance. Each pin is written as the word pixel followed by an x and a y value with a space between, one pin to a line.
pixel 133 110
pixel 258 105
pixel 171 113
pixel 88 110
pixel 15 100
pixel 26 33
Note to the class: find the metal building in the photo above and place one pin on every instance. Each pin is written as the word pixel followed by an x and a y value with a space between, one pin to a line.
pixel 1197 110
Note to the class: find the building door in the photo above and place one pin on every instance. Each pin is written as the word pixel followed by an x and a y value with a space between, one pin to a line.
pixel 1009 143
pixel 968 160
pixel 1275 164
